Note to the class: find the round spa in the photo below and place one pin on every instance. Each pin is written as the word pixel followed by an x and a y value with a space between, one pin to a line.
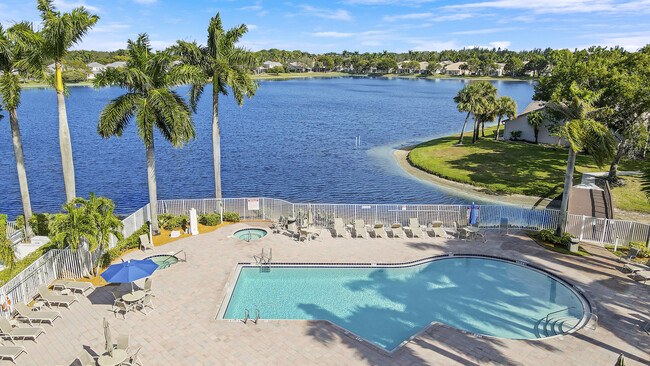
pixel 164 260
pixel 250 234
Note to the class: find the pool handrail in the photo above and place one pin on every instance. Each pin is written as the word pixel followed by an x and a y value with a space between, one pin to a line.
pixel 559 311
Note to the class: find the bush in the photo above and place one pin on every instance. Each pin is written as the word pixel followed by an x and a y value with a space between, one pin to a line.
pixel 515 135
pixel 550 237
pixel 210 219
pixel 231 217
pixel 40 223
pixel 133 241
pixel 3 225
pixel 275 70
pixel 644 251
pixel 163 218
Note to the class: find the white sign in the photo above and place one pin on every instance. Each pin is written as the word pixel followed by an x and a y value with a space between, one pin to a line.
pixel 403 208
pixel 253 204
pixel 194 227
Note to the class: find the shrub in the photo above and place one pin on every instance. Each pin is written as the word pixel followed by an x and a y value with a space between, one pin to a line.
pixel 210 219
pixel 643 250
pixel 176 222
pixel 163 218
pixel 515 135
pixel 550 237
pixel 40 223
pixel 231 217
pixel 3 225
pixel 133 241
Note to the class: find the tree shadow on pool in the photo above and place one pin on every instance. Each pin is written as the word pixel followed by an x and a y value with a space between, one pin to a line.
pixel 401 317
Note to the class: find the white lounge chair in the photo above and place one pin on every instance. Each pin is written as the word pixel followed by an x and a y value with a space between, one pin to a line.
pixel 86 359
pixel 397 231
pixel 25 314
pixel 54 299
pixel 6 331
pixel 11 352
pixel 641 276
pixel 379 230
pixel 292 229
pixel 636 267
pixel 73 285
pixel 437 229
pixel 145 243
pixel 360 229
pixel 416 228
pixel 339 228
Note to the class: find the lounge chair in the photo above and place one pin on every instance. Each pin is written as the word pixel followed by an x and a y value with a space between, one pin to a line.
pixel 379 231
pixel 73 285
pixel 636 267
pixel 292 229
pixel 86 359
pixel 641 276
pixel 437 229
pixel 339 228
pixel 54 299
pixel 458 231
pixel 24 313
pixel 397 231
pixel 6 331
pixel 360 229
pixel 11 352
pixel 145 243
pixel 416 229
pixel 630 255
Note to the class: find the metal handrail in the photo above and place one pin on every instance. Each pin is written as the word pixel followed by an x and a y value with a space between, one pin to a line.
pixel 559 311
pixel 257 316
pixel 246 316
pixel 592 315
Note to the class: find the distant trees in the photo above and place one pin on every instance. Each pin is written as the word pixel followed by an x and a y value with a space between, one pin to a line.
pixel 477 99
pixel 387 64
pixel 433 67
pixel 514 66
pixel 411 66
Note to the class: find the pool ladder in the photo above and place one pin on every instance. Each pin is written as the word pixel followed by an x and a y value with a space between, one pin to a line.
pixel 264 261
pixel 247 316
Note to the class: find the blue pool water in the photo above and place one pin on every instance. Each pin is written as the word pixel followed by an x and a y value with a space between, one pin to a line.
pixel 250 234
pixel 388 305
pixel 293 140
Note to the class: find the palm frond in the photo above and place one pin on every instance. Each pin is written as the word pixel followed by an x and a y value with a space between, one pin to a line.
pixel 117 114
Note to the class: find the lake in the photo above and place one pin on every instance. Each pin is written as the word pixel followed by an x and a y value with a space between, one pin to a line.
pixel 294 140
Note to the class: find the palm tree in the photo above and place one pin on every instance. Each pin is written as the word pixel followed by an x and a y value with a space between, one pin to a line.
pixel 227 65
pixel 484 105
pixel 506 107
pixel 104 223
pixel 60 32
pixel 583 134
pixel 73 227
pixel 466 101
pixel 17 46
pixel 148 79
pixel 536 119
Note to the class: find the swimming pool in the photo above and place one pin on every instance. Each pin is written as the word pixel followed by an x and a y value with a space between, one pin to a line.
pixel 387 305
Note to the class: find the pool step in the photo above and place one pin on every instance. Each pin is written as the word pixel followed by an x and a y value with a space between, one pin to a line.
pixel 555 326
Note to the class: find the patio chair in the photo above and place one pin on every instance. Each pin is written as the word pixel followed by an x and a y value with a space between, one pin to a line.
pixel 146 301
pixel 123 342
pixel 503 225
pixel 73 286
pixel 147 285
pixel 145 243
pixel 54 299
pixel 134 359
pixel 292 230
pixel 415 228
pixel 339 228
pixel 86 359
pixel 25 314
pixel 278 226
pixel 458 231
pixel 636 267
pixel 397 231
pixel 11 352
pixel 641 276
pixel 360 229
pixel 630 255
pixel 6 331
pixel 437 229
pixel 379 230
pixel 121 306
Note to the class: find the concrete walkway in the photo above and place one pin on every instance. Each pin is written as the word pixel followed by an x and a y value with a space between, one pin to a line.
pixel 589 179
pixel 182 329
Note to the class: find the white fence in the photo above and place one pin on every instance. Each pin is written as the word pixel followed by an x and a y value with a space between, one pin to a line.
pixel 11 227
pixel 589 229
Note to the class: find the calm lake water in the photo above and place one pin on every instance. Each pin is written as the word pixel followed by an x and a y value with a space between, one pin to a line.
pixel 294 140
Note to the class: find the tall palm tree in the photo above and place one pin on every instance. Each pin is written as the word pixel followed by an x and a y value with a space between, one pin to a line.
pixel 60 32
pixel 583 134
pixel 104 223
pixel 506 107
pixel 17 47
pixel 466 101
pixel 73 227
pixel 484 107
pixel 227 65
pixel 148 79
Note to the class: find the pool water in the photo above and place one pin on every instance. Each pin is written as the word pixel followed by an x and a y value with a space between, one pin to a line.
pixel 164 261
pixel 250 234
pixel 388 305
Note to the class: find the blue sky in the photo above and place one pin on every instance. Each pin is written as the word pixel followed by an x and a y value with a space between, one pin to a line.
pixel 365 25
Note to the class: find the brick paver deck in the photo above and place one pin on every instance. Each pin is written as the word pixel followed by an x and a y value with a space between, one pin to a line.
pixel 182 329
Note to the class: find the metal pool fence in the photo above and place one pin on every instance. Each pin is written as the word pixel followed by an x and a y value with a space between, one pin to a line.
pixel 64 263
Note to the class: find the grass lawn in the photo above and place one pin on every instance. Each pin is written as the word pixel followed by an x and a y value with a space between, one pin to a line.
pixel 556 248
pixel 503 166
pixel 630 197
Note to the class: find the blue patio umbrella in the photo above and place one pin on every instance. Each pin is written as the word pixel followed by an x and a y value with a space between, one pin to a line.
pixel 129 271
pixel 473 214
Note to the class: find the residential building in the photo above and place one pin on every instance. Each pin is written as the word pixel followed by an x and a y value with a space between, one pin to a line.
pixel 520 126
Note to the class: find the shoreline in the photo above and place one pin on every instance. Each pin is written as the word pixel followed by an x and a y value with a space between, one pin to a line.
pixel 463 189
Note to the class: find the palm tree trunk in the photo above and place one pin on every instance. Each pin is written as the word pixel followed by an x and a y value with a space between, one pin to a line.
pixel 153 193
pixel 216 141
pixel 476 125
pixel 22 175
pixel 460 140
pixel 65 143
pixel 568 185
pixel 496 137
pixel 482 128
pixel 613 169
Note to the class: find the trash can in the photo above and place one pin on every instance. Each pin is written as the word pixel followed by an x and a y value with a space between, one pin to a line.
pixel 574 245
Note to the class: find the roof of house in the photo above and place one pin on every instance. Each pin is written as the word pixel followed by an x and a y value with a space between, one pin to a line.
pixel 94 64
pixel 270 64
pixel 116 64
pixel 423 65
pixel 455 66
pixel 535 105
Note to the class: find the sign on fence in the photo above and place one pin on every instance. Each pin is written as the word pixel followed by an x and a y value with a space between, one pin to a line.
pixel 253 204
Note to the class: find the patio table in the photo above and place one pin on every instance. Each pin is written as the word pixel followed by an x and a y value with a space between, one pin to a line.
pixel 471 230
pixel 133 296
pixel 118 357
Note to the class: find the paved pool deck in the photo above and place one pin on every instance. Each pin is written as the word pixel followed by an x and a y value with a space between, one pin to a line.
pixel 182 329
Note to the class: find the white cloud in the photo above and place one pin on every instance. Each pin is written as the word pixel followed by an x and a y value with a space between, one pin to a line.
pixel 69 5
pixel 459 16
pixel 333 34
pixel 388 2
pixel 428 16
pixel 336 14
pixel 252 7
pixel 408 16
pixel 252 27
pixel 145 1
pixel 560 6
pixel 500 44
pixel 105 28
pixel 486 31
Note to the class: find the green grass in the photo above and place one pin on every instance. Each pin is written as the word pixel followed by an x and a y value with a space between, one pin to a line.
pixel 555 248
pixel 630 197
pixel 503 166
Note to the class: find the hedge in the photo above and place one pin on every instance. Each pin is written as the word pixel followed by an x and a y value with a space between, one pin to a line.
pixel 133 241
